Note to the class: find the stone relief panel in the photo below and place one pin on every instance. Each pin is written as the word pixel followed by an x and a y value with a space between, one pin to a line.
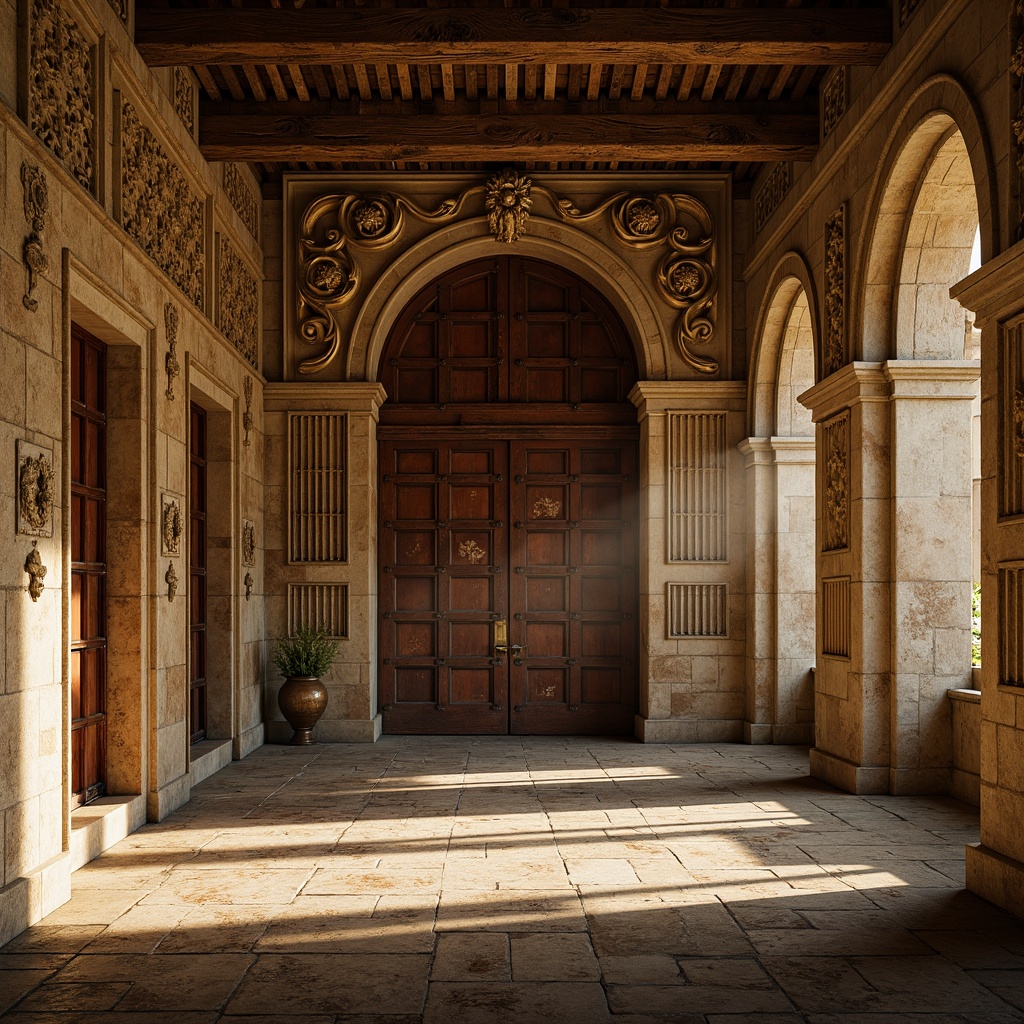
pixel 171 365
pixel 697 609
pixel 697 487
pixel 319 604
pixel 833 100
pixel 62 88
pixel 1011 631
pixel 1011 462
pixel 835 436
pixel 834 356
pixel 158 207
pixel 318 499
pixel 37 202
pixel 248 420
pixel 248 542
pixel 36 490
pixel 337 236
pixel 835 617
pixel 171 524
pixel 184 98
pixel 770 195
pixel 237 302
pixel 241 197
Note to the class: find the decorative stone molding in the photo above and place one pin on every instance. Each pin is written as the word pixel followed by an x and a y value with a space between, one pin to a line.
pixel 247 418
pixel 834 356
pixel 697 499
pixel 237 302
pixel 171 579
pixel 319 604
pixel 36 572
pixel 248 542
pixel 171 364
pixel 62 85
pixel 33 182
pixel 184 98
pixel 835 617
pixel 241 198
pixel 158 207
pixel 697 609
pixel 247 582
pixel 35 490
pixel 171 525
pixel 317 520
pixel 833 100
pixel 335 228
pixel 770 195
pixel 836 471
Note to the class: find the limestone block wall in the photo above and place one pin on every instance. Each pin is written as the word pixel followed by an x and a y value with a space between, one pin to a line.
pixel 136 240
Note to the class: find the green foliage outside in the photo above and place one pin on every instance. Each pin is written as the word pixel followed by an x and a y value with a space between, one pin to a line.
pixel 309 651
pixel 976 625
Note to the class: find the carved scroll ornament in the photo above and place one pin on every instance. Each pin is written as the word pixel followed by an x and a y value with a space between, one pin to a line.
pixel 36 572
pixel 248 542
pixel 35 490
pixel 33 181
pixel 247 419
pixel 171 364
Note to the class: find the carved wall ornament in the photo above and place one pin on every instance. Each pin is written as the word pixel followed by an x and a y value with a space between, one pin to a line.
pixel 184 98
pixel 836 511
pixel 33 182
pixel 171 579
pixel 171 364
pixel 545 508
pixel 241 197
pixel 834 356
pixel 247 582
pixel 36 490
pixel 36 572
pixel 508 205
pixel 247 418
pixel 237 302
pixel 770 195
pixel 61 88
pixel 171 524
pixel 833 100
pixel 472 552
pixel 158 207
pixel 248 542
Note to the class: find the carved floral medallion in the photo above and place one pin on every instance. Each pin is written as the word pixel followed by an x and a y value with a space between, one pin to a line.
pixel 36 490
pixel 546 508
pixel 508 205
pixel 472 552
pixel 248 542
pixel 171 524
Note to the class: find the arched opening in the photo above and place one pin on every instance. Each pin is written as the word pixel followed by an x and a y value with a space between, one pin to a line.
pixel 508 495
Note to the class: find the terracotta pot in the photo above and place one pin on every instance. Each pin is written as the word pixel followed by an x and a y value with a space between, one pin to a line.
pixel 302 700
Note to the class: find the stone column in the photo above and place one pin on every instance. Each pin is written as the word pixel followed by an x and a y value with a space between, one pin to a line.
pixel 995 866
pixel 301 575
pixel 780 589
pixel 692 582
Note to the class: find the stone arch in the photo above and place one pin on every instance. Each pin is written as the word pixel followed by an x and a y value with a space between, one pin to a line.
pixel 939 131
pixel 790 307
pixel 467 241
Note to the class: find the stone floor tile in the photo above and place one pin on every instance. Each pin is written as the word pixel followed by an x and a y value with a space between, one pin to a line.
pixel 641 969
pixel 116 1016
pixel 96 906
pixel 918 983
pixel 33 961
pixel 342 880
pixel 230 886
pixel 521 1002
pixel 50 938
pixel 139 930
pixel 471 956
pixel 600 871
pixel 695 999
pixel 15 985
pixel 333 983
pixel 971 949
pixel 216 929
pixel 61 996
pixel 554 957
pixel 725 972
pixel 523 911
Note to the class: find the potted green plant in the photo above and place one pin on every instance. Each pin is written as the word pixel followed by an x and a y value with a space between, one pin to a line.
pixel 302 659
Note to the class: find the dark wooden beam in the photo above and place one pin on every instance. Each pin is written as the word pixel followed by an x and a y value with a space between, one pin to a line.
pixel 493 138
pixel 512 36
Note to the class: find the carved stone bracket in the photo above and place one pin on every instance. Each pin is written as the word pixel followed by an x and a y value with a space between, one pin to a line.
pixel 334 228
pixel 247 418
pixel 171 525
pixel 35 490
pixel 33 181
pixel 248 542
pixel 171 364
pixel 36 572
pixel 248 584
pixel 171 579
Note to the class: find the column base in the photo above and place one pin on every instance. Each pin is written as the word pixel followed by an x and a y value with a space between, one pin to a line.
pixel 996 878
pixel 678 730
pixel 846 775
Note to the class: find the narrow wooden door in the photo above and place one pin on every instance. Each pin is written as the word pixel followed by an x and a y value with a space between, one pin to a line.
pixel 197 574
pixel 88 567
pixel 444 543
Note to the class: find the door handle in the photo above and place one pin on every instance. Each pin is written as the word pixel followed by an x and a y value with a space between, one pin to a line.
pixel 510 647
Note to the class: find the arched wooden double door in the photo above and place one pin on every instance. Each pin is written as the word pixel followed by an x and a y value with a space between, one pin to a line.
pixel 508 483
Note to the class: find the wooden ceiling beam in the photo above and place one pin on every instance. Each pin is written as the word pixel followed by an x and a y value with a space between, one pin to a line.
pixel 490 138
pixel 170 36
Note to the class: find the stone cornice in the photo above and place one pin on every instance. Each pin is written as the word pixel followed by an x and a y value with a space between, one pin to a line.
pixel 359 396
pixel 996 290
pixel 660 396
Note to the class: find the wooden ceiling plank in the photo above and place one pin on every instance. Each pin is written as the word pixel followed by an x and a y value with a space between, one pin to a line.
pixel 404 81
pixel 732 90
pixel 781 78
pixel 425 83
pixel 686 82
pixel 383 81
pixel 664 81
pixel 803 83
pixel 492 82
pixel 363 81
pixel 530 81
pixel 511 82
pixel 252 76
pixel 756 82
pixel 448 82
pixel 277 83
pixel 550 80
pixel 615 81
pixel 594 82
pixel 233 84
pixel 340 81
pixel 572 137
pixel 472 87
pixel 616 34
pixel 711 81
pixel 323 90
pixel 575 82
pixel 208 82
pixel 298 82
pixel 636 91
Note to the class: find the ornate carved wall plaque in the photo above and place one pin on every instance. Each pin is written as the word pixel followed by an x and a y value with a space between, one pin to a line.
pixel 159 209
pixel 247 419
pixel 171 364
pixel 833 100
pixel 36 490
pixel 834 356
pixel 508 205
pixel 36 572
pixel 237 302
pixel 62 87
pixel 836 472
pixel 248 542
pixel 33 182
pixel 171 579
pixel 241 197
pixel 770 195
pixel 171 524
pixel 184 98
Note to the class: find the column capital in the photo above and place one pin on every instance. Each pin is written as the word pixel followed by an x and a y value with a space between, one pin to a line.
pixel 933 378
pixel 854 384
pixel 652 397
pixel 357 396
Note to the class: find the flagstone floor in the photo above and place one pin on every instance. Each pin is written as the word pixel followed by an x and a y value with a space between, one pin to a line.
pixel 528 881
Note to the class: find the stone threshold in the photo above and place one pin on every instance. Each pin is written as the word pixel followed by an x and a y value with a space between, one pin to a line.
pixel 99 825
pixel 206 758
